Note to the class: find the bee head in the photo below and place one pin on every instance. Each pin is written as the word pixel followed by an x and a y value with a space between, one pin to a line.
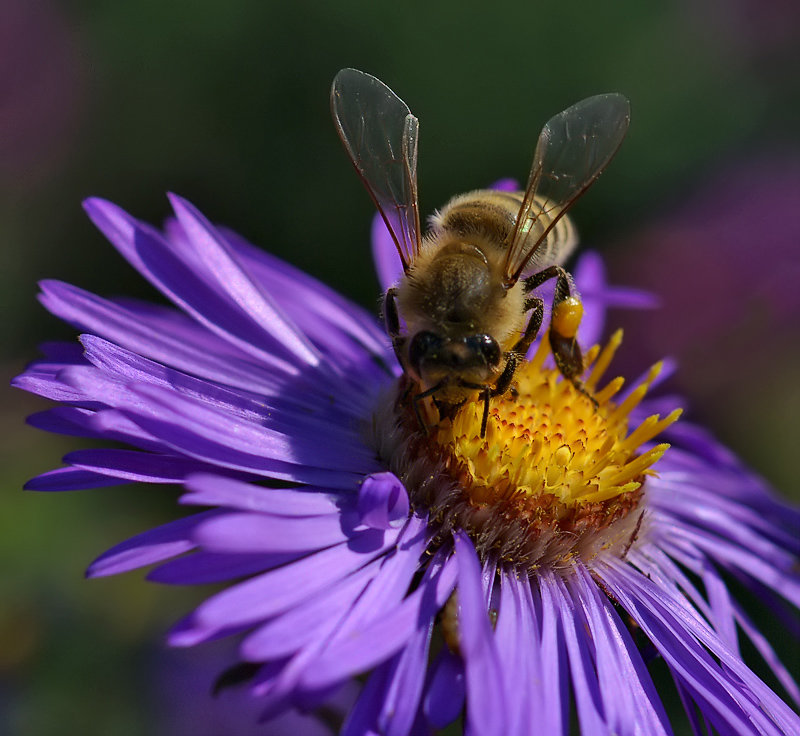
pixel 474 358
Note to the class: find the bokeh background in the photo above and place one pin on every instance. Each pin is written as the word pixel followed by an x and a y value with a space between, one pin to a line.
pixel 227 104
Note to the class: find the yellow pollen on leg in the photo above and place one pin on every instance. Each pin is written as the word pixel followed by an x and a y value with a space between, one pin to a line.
pixel 567 316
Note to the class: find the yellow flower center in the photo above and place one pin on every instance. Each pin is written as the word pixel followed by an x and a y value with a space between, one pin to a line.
pixel 557 474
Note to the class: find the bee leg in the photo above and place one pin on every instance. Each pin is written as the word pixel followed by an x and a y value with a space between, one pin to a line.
pixel 534 323
pixel 391 321
pixel 486 393
pixel 517 354
pixel 564 322
pixel 485 419
pixel 419 397
pixel 407 385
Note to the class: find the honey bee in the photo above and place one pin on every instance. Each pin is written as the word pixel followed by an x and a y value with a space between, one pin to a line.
pixel 463 314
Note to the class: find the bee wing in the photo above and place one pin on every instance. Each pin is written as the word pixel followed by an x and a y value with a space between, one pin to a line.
pixel 573 149
pixel 381 136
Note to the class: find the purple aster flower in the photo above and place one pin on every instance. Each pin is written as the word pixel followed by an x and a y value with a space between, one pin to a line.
pixel 515 578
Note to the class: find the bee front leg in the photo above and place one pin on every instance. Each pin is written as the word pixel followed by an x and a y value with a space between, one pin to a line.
pixel 486 392
pixel 415 400
pixel 564 322
pixel 391 321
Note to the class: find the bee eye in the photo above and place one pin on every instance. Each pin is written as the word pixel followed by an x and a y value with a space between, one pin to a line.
pixel 423 345
pixel 486 346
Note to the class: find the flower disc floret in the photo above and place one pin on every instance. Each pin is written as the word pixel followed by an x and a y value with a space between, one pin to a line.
pixel 558 473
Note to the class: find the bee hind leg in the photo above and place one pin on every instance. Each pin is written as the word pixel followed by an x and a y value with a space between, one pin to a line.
pixel 564 322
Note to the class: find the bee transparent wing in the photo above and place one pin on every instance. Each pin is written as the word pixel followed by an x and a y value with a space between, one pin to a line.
pixel 573 149
pixel 381 137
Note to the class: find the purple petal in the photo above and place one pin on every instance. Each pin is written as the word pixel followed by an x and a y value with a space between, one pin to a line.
pixel 518 646
pixel 362 718
pixel 278 590
pixel 386 634
pixel 291 410
pixel 721 607
pixel 388 265
pixel 214 436
pixel 393 577
pixel 486 706
pixel 402 698
pixel 70 479
pixel 310 621
pixel 625 688
pixel 47 383
pixel 134 466
pixel 397 571
pixel 386 587
pixel 239 533
pixel 383 501
pixel 166 337
pixel 762 561
pixel 579 652
pixel 191 442
pixel 505 185
pixel 444 698
pixel 128 367
pixel 729 694
pixel 667 573
pixel 315 307
pixel 151 546
pixel 67 420
pixel 216 490
pixel 179 280
pixel 553 657
pixel 200 567
pixel 222 267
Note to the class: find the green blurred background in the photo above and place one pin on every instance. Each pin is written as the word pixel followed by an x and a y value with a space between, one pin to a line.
pixel 227 104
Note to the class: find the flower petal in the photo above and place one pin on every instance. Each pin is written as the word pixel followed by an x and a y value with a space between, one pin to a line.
pixel 486 703
pixel 630 703
pixel 222 268
pixel 382 501
pixel 70 479
pixel 384 635
pixel 200 568
pixel 729 694
pixel 206 489
pixel 388 266
pixel 312 620
pixel 316 308
pixel 133 466
pixel 401 701
pixel 277 591
pixel 445 691
pixel 154 545
pixel 240 533
pixel 179 280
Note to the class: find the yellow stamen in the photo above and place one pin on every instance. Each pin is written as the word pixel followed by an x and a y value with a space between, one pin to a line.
pixel 557 469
